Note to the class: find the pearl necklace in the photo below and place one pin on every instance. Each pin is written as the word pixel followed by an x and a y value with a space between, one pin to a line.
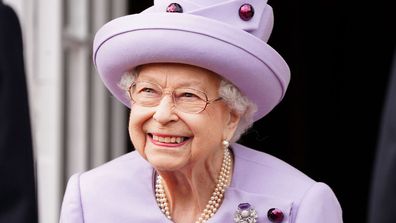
pixel 223 181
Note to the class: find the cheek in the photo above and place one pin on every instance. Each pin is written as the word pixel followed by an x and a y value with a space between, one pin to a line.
pixel 208 133
pixel 217 119
pixel 137 134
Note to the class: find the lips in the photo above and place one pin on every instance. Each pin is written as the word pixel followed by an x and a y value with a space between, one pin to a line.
pixel 167 139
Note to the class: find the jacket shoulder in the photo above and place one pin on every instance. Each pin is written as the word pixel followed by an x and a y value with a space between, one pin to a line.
pixel 109 192
pixel 271 175
pixel 279 181
pixel 322 199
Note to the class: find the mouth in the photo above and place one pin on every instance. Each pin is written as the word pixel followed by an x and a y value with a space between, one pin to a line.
pixel 167 140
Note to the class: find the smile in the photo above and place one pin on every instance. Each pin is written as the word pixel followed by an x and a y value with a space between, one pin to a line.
pixel 167 140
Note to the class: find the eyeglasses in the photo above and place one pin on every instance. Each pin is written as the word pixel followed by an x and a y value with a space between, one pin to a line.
pixel 186 100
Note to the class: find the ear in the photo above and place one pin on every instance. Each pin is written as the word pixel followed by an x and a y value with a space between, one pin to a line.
pixel 231 124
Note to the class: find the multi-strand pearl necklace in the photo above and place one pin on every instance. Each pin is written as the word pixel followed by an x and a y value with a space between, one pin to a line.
pixel 223 181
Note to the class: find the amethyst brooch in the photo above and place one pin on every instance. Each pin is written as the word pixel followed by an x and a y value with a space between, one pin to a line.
pixel 245 214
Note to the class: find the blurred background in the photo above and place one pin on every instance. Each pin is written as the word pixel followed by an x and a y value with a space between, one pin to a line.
pixel 340 55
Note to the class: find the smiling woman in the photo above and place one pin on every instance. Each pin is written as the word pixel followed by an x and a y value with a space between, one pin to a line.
pixel 152 128
pixel 195 75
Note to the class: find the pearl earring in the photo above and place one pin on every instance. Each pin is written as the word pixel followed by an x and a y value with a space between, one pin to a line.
pixel 226 144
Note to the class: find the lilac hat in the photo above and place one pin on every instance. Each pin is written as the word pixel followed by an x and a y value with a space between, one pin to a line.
pixel 228 37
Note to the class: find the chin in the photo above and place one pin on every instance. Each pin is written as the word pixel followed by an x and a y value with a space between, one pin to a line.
pixel 167 161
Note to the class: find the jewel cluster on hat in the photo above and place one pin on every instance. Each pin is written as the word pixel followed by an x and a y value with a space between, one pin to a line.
pixel 228 37
pixel 253 16
pixel 246 11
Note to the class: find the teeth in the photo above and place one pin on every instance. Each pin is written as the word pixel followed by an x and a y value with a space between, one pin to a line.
pixel 168 139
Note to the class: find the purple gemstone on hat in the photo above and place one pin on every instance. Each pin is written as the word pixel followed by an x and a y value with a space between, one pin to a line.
pixel 174 7
pixel 244 206
pixel 246 12
pixel 275 215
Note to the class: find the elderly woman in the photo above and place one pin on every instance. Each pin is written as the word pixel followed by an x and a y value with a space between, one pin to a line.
pixel 196 75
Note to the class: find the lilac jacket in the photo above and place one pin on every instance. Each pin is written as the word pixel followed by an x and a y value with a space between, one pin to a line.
pixel 121 191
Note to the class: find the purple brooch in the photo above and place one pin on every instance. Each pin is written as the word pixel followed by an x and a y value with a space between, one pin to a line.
pixel 245 214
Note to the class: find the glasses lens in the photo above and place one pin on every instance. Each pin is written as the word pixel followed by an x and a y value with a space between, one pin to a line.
pixel 186 99
pixel 146 94
pixel 189 100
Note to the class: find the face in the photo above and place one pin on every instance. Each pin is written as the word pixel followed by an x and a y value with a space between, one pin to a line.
pixel 171 139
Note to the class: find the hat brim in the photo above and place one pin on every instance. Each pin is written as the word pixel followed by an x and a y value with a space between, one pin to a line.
pixel 248 62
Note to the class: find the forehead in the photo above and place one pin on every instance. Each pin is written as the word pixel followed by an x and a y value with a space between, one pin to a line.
pixel 178 75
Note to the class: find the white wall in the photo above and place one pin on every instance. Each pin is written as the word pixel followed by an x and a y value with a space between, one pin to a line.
pixel 76 125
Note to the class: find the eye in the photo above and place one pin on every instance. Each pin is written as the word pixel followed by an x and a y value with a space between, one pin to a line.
pixel 146 91
pixel 188 95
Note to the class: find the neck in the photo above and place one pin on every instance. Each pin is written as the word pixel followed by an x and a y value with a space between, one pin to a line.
pixel 189 190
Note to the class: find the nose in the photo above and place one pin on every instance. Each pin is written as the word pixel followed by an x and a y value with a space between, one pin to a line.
pixel 165 111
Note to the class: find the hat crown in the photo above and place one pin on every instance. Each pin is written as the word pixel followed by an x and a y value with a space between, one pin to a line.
pixel 226 11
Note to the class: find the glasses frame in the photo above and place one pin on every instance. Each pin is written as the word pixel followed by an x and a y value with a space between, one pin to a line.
pixel 207 101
